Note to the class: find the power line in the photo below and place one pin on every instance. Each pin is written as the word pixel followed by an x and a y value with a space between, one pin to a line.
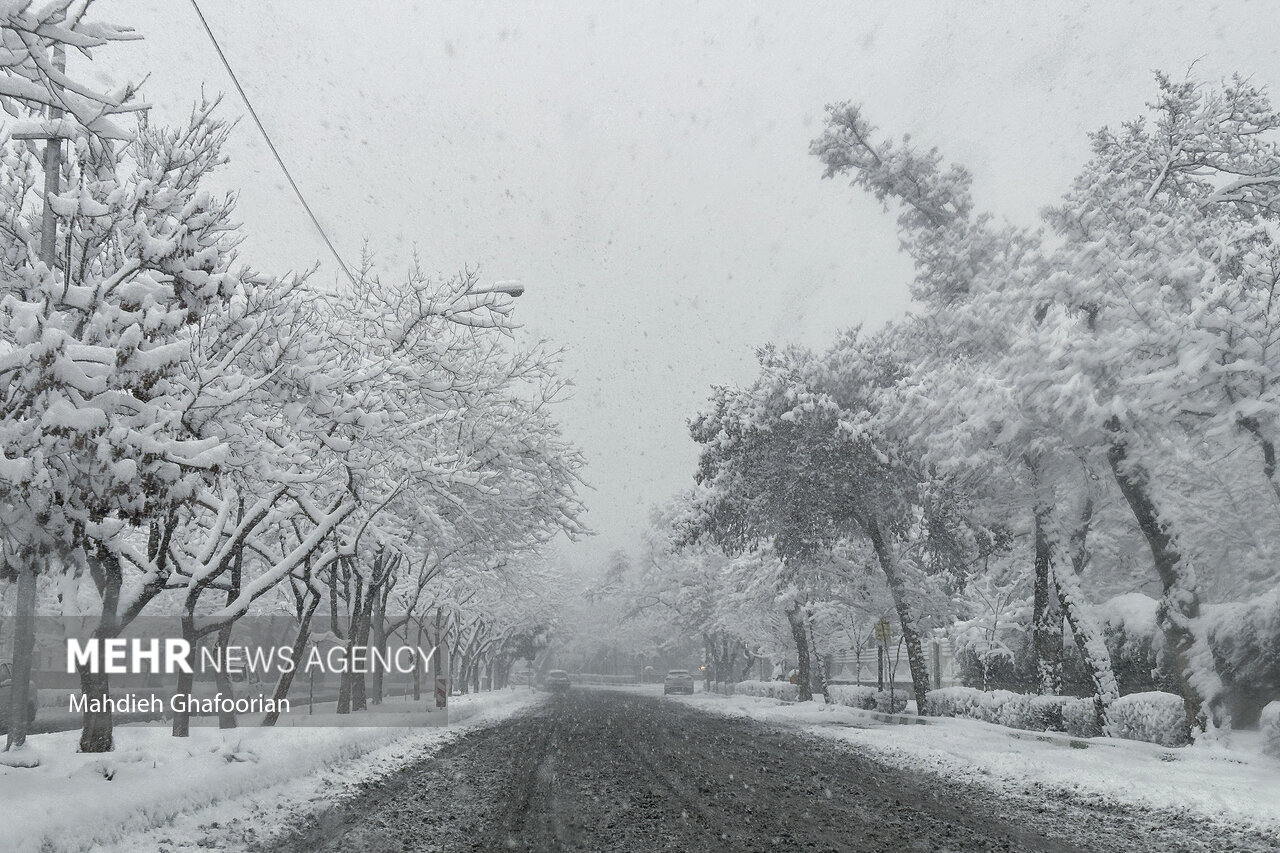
pixel 267 137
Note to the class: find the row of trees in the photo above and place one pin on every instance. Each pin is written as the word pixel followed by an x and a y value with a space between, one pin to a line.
pixel 187 436
pixel 1082 408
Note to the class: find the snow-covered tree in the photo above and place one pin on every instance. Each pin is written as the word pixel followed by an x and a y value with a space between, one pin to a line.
pixel 1118 363
pixel 799 460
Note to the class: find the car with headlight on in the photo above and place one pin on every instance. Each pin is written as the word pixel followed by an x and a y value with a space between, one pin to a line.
pixel 677 681
pixel 557 681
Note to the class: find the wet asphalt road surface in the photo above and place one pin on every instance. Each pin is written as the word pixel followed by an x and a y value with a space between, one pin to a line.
pixel 596 770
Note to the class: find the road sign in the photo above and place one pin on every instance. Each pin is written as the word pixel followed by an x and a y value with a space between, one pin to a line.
pixel 883 631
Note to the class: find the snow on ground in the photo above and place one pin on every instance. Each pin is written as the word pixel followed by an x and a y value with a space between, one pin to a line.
pixel 216 789
pixel 1234 782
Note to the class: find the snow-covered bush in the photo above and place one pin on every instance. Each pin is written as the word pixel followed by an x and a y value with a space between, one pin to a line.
pixel 1133 639
pixel 993 703
pixel 768 689
pixel 953 702
pixel 1080 718
pixel 853 696
pixel 1245 639
pixel 1271 729
pixel 894 703
pixel 1154 717
pixel 1031 712
pixel 1016 710
pixel 1047 713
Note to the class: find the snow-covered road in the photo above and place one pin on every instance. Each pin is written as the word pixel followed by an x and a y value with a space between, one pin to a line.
pixel 217 789
pixel 620 771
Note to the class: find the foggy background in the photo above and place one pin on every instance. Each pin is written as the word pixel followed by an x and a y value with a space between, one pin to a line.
pixel 643 169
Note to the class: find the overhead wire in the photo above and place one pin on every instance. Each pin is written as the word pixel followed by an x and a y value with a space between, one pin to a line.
pixel 271 145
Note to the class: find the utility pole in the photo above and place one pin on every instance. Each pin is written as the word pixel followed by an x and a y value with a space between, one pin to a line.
pixel 52 174
pixel 24 615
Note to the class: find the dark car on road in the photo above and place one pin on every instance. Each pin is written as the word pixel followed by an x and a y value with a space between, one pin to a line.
pixel 557 680
pixel 677 681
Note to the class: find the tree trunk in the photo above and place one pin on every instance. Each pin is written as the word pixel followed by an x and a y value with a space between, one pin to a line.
pixel 732 649
pixel 464 674
pixel 897 588
pixel 226 714
pixel 285 681
pixel 438 664
pixel 373 593
pixel 345 681
pixel 795 618
pixel 1180 603
pixel 96 731
pixel 455 660
pixel 182 718
pixel 417 666
pixel 380 643
pixel 1089 637
pixel 24 615
pixel 24 640
pixel 709 657
pixel 1268 448
pixel 359 696
pixel 1046 624
pixel 819 666
pixel 1084 626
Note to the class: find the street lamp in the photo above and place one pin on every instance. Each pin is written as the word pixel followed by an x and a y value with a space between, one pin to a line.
pixel 511 288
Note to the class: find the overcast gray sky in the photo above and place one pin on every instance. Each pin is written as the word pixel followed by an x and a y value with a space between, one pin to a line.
pixel 643 167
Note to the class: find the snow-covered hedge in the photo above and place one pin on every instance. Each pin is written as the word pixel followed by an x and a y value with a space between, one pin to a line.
pixel 1016 710
pixel 953 702
pixel 853 696
pixel 1080 718
pixel 1034 713
pixel 1270 723
pixel 769 689
pixel 891 704
pixel 969 702
pixel 867 698
pixel 1154 717
pixel 1245 639
pixel 1048 713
